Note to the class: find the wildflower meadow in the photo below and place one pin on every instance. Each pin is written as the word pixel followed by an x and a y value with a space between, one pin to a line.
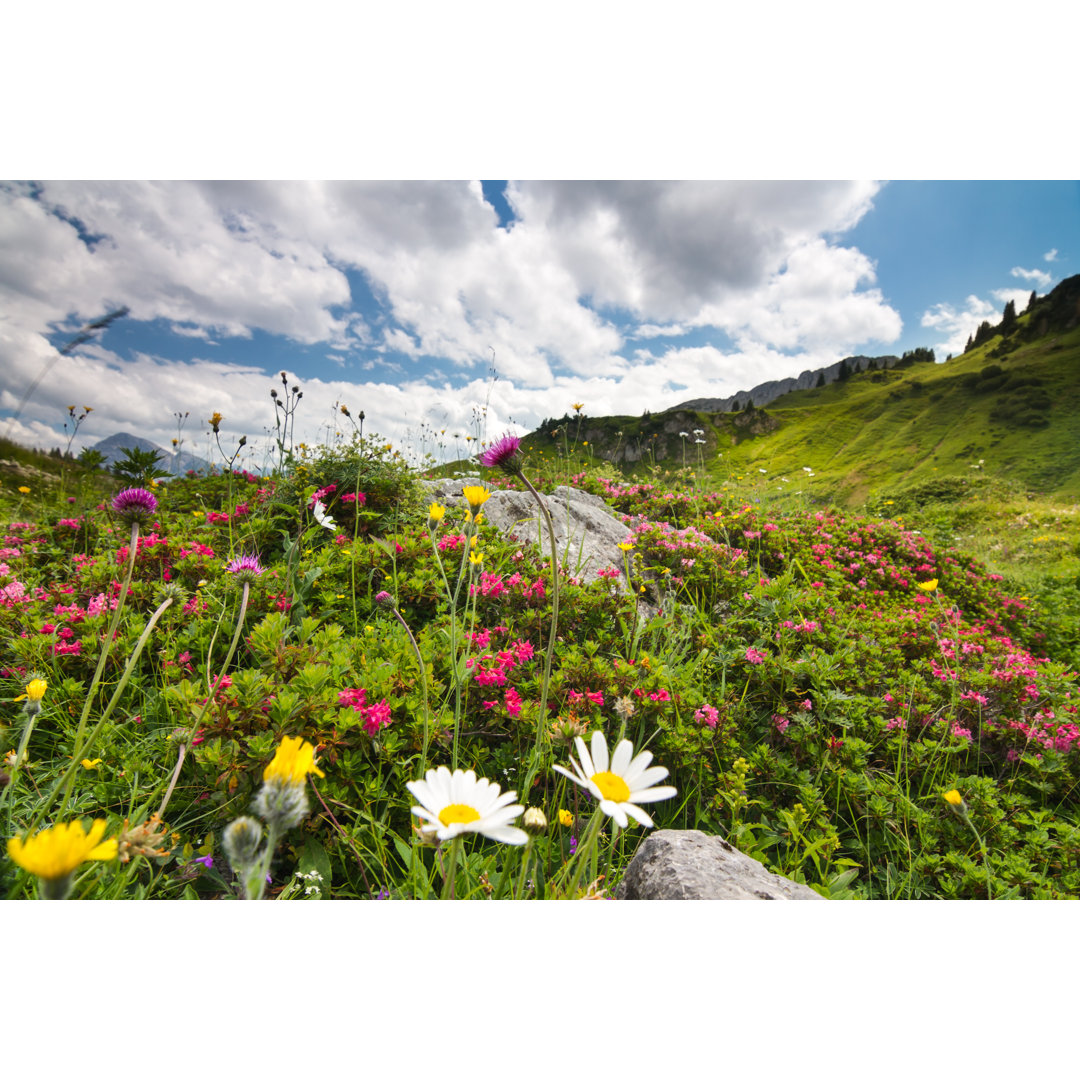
pixel 318 682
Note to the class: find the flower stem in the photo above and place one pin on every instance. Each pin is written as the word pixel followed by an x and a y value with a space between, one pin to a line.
pixel 66 779
pixel 450 872
pixel 423 687
pixel 185 747
pixel 106 648
pixel 541 719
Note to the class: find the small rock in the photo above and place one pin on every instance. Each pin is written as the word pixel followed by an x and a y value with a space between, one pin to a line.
pixel 675 864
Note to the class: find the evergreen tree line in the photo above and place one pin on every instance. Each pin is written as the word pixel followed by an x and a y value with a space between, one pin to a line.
pixel 1008 323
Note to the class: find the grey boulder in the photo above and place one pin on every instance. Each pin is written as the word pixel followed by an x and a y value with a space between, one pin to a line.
pixel 687 864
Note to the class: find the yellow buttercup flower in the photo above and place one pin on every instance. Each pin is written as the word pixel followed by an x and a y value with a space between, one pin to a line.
pixel 928 586
pixel 55 853
pixel 566 818
pixel 475 496
pixel 294 759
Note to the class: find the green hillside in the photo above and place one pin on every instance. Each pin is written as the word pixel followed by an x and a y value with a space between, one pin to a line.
pixel 1008 409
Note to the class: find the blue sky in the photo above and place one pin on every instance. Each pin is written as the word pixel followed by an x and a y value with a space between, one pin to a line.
pixel 402 298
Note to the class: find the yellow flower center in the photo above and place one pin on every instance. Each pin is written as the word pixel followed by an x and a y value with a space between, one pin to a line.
pixel 611 786
pixel 458 814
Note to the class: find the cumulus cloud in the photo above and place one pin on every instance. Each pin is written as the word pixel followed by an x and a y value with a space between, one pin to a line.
pixel 1039 277
pixel 1051 255
pixel 583 269
pixel 956 326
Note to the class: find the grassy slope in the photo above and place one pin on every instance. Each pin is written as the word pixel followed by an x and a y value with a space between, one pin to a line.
pixel 884 431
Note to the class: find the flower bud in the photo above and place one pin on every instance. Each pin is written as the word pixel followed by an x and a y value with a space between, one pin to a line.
pixel 241 841
pixel 281 805
pixel 534 821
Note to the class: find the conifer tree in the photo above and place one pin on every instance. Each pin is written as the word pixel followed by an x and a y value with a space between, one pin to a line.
pixel 1008 318
pixel 1031 301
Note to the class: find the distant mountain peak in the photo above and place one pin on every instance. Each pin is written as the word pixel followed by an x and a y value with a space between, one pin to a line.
pixel 112 449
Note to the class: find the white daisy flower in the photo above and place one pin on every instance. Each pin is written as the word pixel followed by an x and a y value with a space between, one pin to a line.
pixel 621 784
pixel 460 803
pixel 322 517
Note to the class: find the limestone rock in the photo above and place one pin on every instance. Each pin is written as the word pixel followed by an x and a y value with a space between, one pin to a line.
pixel 587 532
pixel 676 864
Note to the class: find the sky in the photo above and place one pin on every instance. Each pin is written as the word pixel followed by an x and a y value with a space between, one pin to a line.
pixel 479 306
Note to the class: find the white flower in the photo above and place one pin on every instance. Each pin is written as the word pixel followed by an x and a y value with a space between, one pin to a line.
pixel 459 803
pixel 322 517
pixel 684 434
pixel 621 784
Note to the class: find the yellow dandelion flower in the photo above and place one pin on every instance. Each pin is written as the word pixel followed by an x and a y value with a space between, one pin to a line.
pixel 928 586
pixel 475 496
pixel 24 490
pixel 953 798
pixel 294 759
pixel 578 406
pixel 566 818
pixel 35 690
pixel 57 852
pixel 476 558
pixel 435 514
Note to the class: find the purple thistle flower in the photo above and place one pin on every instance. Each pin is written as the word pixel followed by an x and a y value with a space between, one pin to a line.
pixel 505 454
pixel 384 599
pixel 134 505
pixel 246 567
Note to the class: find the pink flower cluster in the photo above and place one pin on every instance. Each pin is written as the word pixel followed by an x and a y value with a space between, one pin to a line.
pixel 756 656
pixel 490 668
pixel 375 717
pixel 450 541
pixel 595 697
pixel 320 495
pixel 707 715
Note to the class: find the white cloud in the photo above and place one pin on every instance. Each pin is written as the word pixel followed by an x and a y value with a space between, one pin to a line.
pixel 1051 255
pixel 957 326
pixel 1040 277
pixel 585 267
pixel 651 330
pixel 1019 297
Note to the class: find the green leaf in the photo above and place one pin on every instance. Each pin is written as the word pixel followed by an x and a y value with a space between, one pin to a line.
pixel 314 857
